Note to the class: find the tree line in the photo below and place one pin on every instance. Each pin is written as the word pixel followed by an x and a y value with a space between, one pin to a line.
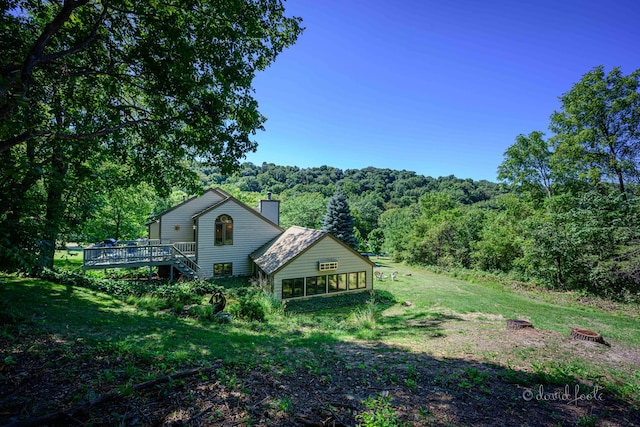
pixel 112 112
pixel 570 219
pixel 565 214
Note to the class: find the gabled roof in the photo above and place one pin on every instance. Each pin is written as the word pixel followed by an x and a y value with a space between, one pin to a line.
pixel 280 251
pixel 230 198
pixel 218 191
pixel 276 253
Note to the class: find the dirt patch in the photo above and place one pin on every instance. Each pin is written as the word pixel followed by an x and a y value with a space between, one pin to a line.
pixel 319 387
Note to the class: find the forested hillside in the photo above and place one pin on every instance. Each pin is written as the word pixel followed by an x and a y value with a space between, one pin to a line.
pixel 304 193
pixel 566 216
pixel 583 235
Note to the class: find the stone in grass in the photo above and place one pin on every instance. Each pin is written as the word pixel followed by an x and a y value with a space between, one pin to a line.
pixel 223 317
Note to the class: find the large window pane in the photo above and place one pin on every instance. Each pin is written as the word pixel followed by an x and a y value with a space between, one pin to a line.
pixel 292 288
pixel 362 280
pixel 316 285
pixel 333 282
pixel 358 280
pixel 224 230
pixel 342 282
pixel 353 280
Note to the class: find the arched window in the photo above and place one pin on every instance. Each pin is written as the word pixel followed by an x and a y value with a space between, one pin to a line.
pixel 224 230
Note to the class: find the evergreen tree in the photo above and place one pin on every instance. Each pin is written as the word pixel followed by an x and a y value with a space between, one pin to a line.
pixel 338 220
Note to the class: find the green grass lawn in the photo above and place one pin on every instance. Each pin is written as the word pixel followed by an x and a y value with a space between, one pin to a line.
pixel 433 293
pixel 435 318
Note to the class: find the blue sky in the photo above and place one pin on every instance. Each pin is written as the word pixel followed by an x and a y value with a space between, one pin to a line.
pixel 436 87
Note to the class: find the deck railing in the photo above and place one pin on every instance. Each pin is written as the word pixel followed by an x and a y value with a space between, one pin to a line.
pixel 134 254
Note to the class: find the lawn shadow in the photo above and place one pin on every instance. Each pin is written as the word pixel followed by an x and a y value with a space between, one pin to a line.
pixel 320 377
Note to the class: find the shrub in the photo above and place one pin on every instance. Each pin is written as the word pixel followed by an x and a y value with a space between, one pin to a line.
pixel 364 317
pixel 379 412
pixel 250 309
pixel 254 305
pixel 175 293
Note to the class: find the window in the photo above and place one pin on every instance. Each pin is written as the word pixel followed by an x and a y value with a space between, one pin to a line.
pixel 358 280
pixel 292 288
pixel 224 230
pixel 316 285
pixel 337 282
pixel 223 269
pixel 328 265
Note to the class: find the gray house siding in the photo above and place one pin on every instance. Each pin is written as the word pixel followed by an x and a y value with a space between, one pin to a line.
pixel 176 225
pixel 327 249
pixel 250 231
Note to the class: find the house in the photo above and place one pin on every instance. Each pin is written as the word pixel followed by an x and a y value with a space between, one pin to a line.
pixel 216 235
pixel 302 262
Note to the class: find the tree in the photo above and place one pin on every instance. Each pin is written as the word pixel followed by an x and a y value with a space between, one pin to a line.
pixel 338 220
pixel 148 85
pixel 366 209
pixel 444 232
pixel 304 210
pixel 121 214
pixel 499 245
pixel 598 127
pixel 527 163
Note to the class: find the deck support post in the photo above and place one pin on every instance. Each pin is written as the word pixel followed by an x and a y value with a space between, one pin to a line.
pixel 150 273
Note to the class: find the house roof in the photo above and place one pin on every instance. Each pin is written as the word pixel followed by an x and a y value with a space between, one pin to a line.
pixel 210 190
pixel 278 252
pixel 229 198
pixel 225 197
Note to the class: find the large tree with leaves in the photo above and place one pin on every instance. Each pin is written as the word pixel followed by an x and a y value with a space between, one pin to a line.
pixel 527 164
pixel 598 127
pixel 338 220
pixel 148 85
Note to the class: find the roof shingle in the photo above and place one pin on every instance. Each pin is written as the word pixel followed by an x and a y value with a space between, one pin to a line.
pixel 279 251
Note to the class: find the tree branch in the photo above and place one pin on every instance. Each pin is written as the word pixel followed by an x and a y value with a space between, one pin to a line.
pixel 27 135
pixel 35 54
pixel 18 139
pixel 77 48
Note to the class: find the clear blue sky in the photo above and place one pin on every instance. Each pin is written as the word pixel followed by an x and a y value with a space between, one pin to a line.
pixel 431 86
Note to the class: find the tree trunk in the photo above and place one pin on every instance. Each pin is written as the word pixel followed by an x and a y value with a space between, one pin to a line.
pixel 616 167
pixel 55 207
pixel 559 279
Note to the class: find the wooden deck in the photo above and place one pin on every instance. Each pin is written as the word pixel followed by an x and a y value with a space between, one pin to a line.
pixel 132 254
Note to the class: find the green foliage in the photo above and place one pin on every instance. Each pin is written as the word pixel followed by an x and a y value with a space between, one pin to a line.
pixel 379 412
pixel 338 220
pixel 304 210
pixel 138 88
pixel 527 164
pixel 444 232
pixel 396 225
pixel 253 305
pixel 121 213
pixel 598 128
pixel 154 293
pixel 364 317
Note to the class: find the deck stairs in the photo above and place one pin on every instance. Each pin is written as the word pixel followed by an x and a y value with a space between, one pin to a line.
pixel 185 265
